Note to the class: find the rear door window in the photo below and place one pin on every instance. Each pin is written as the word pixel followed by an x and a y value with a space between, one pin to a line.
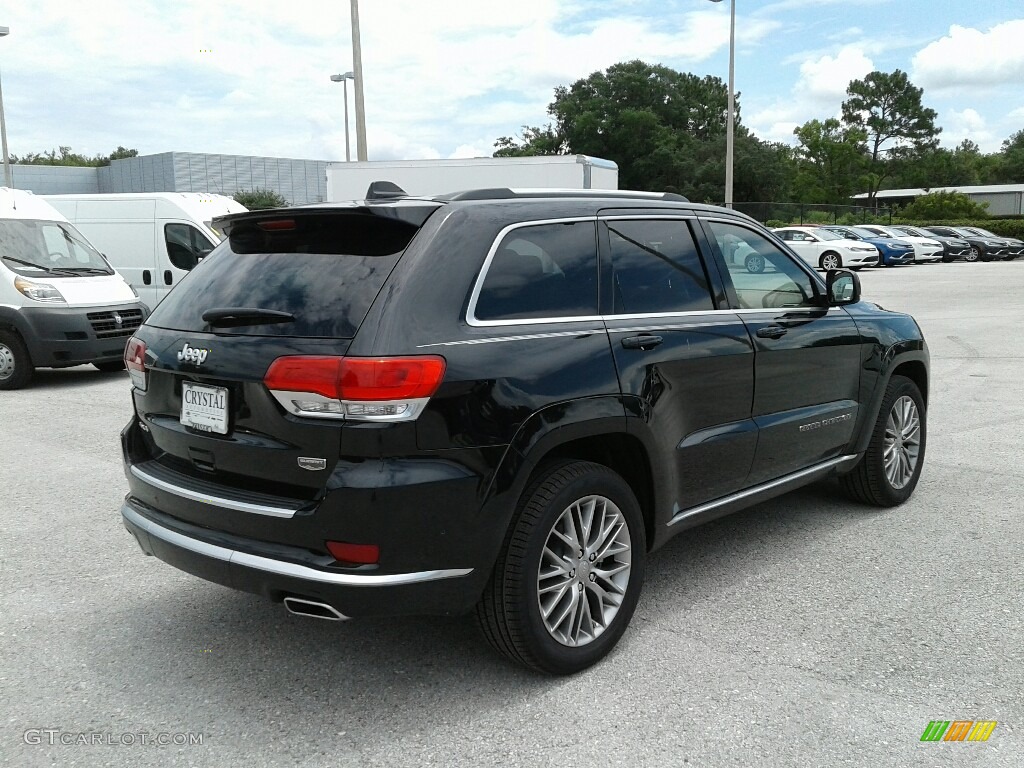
pixel 542 271
pixel 656 268
pixel 325 269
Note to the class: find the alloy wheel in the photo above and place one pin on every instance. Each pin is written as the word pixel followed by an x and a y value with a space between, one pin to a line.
pixel 584 571
pixel 902 442
pixel 830 261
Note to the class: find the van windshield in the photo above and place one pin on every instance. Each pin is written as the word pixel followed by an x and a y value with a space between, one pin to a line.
pixel 32 247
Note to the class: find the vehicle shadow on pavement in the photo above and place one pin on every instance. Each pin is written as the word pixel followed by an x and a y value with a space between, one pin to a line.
pixel 246 658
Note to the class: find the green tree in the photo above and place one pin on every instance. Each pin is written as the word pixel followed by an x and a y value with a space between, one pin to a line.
pixel 257 199
pixel 64 156
pixel 665 130
pixel 534 141
pixel 889 109
pixel 943 206
pixel 1010 165
pixel 830 161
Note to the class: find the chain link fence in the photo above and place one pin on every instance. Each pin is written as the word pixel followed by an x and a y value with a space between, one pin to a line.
pixel 782 214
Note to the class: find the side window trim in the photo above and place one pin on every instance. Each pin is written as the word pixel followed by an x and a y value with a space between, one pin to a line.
pixel 474 296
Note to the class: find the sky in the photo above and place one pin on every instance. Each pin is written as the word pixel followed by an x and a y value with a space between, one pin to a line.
pixel 445 78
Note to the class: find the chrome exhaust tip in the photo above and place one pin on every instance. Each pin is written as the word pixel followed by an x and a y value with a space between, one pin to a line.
pixel 312 609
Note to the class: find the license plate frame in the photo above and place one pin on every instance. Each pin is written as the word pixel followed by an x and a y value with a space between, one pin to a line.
pixel 208 413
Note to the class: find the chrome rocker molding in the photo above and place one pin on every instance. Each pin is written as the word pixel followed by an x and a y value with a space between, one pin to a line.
pixel 775 487
pixel 280 567
pixel 217 501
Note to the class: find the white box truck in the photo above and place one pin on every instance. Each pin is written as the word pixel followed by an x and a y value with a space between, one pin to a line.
pixel 350 181
pixel 152 238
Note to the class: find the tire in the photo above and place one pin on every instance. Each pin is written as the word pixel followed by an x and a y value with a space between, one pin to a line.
pixel 977 254
pixel 110 366
pixel 830 260
pixel 15 363
pixel 871 482
pixel 754 264
pixel 510 611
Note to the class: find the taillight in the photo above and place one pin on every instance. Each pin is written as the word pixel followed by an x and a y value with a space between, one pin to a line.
pixel 362 388
pixel 135 362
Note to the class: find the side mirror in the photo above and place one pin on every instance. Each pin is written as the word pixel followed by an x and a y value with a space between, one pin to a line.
pixel 843 287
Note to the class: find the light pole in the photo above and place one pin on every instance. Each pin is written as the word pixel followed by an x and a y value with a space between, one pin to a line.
pixel 4 31
pixel 357 66
pixel 343 79
pixel 730 126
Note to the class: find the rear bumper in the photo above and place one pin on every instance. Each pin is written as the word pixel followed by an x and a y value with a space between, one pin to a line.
pixel 277 571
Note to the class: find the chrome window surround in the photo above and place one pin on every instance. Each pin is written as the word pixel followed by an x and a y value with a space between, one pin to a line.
pixel 472 320
pixel 281 567
pixel 474 297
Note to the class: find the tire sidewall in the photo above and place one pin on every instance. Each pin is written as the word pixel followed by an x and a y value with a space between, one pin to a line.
pixel 549 653
pixel 22 362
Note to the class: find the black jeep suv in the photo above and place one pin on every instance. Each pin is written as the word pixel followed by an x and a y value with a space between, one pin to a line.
pixel 500 402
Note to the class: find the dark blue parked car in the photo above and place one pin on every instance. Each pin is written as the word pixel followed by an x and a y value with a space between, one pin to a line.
pixel 893 250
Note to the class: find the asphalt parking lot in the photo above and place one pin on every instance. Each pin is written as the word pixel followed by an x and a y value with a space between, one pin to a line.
pixel 808 631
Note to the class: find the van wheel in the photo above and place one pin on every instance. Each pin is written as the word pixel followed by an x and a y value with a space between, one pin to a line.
pixel 570 572
pixel 110 366
pixel 15 363
pixel 890 468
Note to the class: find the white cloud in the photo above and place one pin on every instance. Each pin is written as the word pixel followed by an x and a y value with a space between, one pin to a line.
pixel 967 124
pixel 820 89
pixel 968 56
pixel 826 79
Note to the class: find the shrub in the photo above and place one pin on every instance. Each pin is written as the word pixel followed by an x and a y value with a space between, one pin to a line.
pixel 257 199
pixel 944 205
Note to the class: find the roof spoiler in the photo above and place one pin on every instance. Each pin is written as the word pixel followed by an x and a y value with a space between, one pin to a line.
pixel 384 190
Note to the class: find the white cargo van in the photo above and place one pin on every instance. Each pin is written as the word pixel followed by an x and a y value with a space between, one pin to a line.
pixel 152 238
pixel 61 303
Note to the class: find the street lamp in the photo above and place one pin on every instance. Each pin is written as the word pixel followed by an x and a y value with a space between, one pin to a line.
pixel 4 31
pixel 730 127
pixel 343 79
pixel 357 66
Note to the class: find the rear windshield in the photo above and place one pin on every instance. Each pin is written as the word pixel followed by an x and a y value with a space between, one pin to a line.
pixel 324 269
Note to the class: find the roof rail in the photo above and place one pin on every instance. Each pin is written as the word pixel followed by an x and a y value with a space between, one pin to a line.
pixel 506 193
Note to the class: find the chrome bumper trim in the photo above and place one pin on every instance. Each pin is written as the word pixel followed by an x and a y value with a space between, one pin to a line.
pixel 280 567
pixel 217 501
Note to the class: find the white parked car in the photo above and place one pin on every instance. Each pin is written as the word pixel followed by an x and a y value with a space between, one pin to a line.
pixel 925 249
pixel 827 250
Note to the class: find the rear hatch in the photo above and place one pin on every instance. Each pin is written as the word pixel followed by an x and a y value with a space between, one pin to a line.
pixel 283 283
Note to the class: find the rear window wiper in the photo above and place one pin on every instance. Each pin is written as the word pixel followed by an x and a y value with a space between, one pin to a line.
pixel 230 317
pixel 47 270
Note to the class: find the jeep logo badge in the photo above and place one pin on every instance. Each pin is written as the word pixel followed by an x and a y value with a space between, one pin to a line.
pixel 192 355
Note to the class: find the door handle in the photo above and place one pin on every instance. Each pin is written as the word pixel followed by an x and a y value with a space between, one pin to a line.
pixel 771 332
pixel 147 277
pixel 643 341
pixel 167 277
